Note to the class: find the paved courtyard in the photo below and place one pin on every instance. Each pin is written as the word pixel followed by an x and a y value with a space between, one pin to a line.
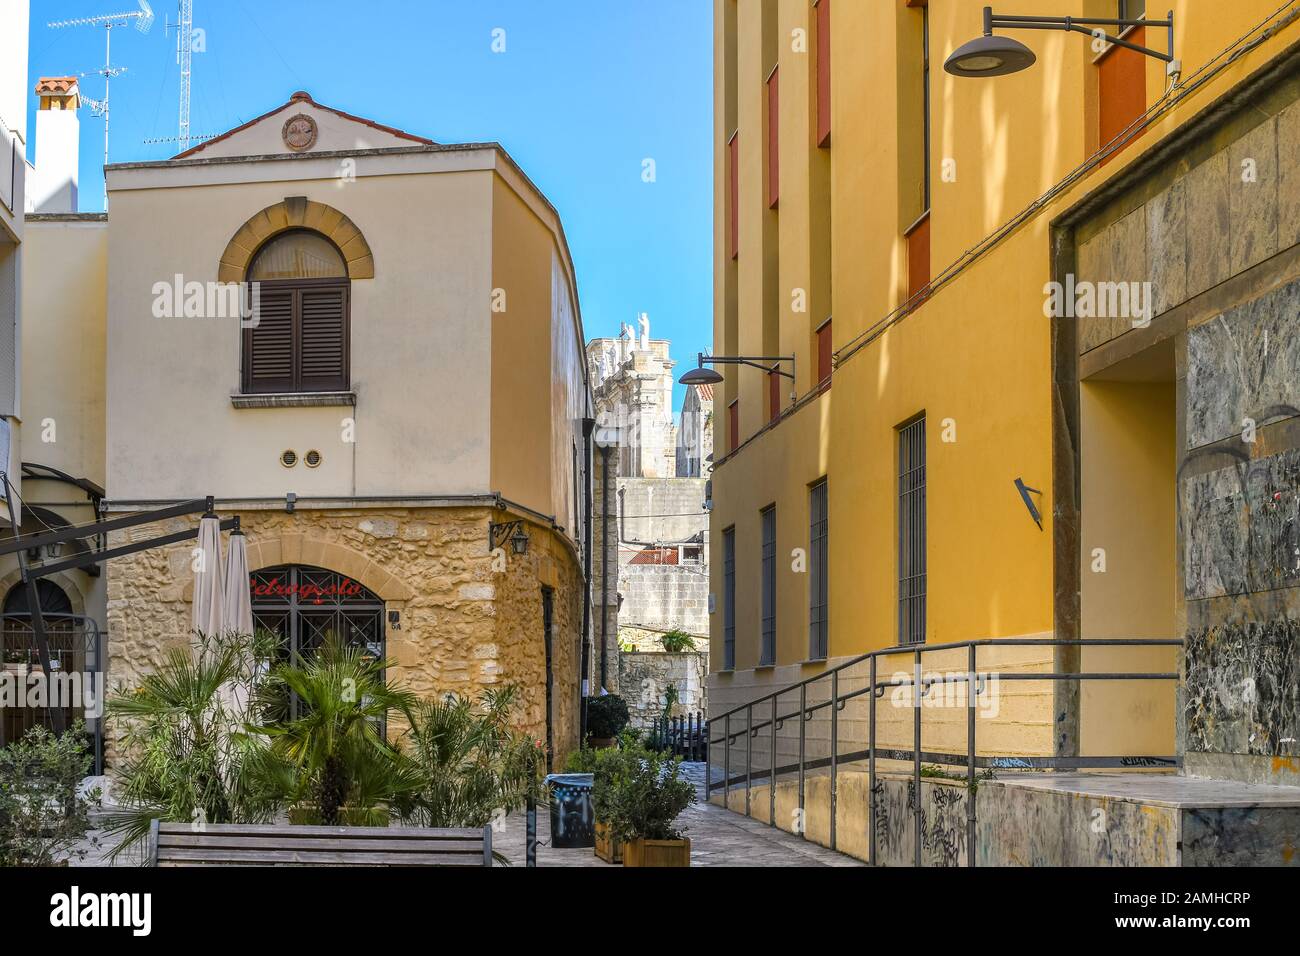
pixel 718 838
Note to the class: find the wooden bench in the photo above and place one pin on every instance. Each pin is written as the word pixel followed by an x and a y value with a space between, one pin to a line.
pixel 233 844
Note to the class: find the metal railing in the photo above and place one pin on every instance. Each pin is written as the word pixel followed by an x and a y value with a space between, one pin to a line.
pixel 765 713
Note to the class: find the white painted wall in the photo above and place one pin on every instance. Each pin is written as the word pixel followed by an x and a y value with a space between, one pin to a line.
pixel 54 184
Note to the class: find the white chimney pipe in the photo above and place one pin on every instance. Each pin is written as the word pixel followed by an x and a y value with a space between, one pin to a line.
pixel 58 138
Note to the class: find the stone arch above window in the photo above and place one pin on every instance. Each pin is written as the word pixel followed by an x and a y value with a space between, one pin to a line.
pixel 297 212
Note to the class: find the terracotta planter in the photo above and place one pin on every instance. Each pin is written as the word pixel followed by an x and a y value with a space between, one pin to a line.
pixel 608 848
pixel 657 853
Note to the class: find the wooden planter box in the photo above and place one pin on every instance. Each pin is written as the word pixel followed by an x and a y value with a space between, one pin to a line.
pixel 607 847
pixel 657 853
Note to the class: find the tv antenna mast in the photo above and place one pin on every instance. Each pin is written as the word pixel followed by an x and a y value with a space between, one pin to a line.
pixel 184 28
pixel 143 21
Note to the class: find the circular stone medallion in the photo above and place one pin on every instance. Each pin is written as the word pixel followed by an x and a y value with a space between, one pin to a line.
pixel 299 132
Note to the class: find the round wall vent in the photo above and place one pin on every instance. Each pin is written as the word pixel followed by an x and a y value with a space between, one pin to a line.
pixel 289 458
pixel 312 458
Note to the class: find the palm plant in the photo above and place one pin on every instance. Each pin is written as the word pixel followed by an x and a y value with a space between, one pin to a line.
pixel 186 755
pixel 472 765
pixel 332 760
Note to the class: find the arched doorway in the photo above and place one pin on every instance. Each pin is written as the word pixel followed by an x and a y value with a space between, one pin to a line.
pixel 303 605
pixel 19 655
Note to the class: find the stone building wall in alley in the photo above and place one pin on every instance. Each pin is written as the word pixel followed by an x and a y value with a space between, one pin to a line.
pixel 1214 228
pixel 663 595
pixel 604 574
pixel 463 627
pixel 646 676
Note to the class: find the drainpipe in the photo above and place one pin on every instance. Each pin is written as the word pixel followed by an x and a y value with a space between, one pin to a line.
pixel 604 564
pixel 588 426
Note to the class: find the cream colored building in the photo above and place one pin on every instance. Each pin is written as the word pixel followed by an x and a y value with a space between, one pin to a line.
pixel 13 151
pixel 365 344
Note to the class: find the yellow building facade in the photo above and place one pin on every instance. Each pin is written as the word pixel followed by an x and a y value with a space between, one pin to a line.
pixel 896 230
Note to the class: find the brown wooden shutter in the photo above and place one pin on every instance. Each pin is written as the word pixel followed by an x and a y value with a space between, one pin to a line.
pixel 323 338
pixel 268 364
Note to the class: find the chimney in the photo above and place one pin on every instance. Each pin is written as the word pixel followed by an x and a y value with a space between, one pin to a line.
pixel 58 136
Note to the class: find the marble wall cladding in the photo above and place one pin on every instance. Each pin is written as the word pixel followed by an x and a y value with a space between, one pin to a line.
pixel 1207 203
pixel 1240 836
pixel 1242 689
pixel 1288 177
pixel 1244 364
pixel 1252 196
pixel 1118 254
pixel 1241 528
pixel 1167 247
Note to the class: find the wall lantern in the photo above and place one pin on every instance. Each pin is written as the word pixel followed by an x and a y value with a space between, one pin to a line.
pixel 991 55
pixel 512 531
pixel 707 376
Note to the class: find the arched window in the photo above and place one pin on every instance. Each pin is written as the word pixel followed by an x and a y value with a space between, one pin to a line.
pixel 304 605
pixel 298 339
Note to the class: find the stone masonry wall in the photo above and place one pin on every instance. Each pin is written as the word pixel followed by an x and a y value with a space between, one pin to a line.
pixel 645 678
pixel 464 626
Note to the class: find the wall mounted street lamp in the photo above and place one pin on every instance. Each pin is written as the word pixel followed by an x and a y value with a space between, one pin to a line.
pixel 512 531
pixel 708 376
pixel 991 55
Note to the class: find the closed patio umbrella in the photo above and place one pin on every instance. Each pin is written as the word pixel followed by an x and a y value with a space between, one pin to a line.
pixel 209 607
pixel 238 605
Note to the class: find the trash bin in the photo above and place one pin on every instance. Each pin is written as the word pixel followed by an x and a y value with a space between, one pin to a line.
pixel 572 818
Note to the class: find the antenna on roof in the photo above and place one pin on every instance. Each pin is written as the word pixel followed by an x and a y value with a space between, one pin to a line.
pixel 143 19
pixel 184 28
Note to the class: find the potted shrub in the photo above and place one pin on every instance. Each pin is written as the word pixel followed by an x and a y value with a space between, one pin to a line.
pixel 607 715
pixel 640 801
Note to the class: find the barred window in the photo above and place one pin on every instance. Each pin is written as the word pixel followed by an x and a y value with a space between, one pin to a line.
pixel 767 654
pixel 729 599
pixel 911 533
pixel 818 566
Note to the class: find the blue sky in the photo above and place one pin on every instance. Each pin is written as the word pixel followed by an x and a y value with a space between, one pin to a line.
pixel 585 91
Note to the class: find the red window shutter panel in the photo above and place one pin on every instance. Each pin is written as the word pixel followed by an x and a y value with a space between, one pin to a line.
pixel 918 257
pixel 1121 89
pixel 268 366
pixel 823 72
pixel 773 139
pixel 323 352
pixel 733 196
pixel 824 353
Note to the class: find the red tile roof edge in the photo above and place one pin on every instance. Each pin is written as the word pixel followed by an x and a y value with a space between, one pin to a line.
pixel 303 97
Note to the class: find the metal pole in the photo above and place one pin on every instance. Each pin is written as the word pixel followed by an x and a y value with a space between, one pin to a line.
pixel 916 756
pixel 771 783
pixel 749 753
pixel 803 704
pixel 835 749
pixel 871 771
pixel 970 755
pixel 726 762
pixel 530 834
pixel 604 568
pixel 708 761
